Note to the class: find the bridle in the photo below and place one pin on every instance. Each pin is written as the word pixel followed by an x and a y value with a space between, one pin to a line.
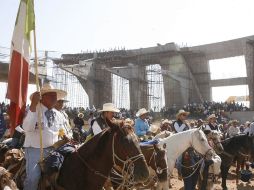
pixel 127 171
pixel 158 169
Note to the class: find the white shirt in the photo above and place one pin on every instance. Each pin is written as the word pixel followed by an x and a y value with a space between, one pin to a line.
pixel 179 128
pixel 96 128
pixel 233 131
pixel 90 120
pixel 251 129
pixel 67 124
pixel 49 134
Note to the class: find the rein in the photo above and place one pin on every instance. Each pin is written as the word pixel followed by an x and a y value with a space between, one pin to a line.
pixel 158 170
pixel 127 164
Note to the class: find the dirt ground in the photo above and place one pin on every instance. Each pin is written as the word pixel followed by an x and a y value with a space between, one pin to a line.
pixel 231 183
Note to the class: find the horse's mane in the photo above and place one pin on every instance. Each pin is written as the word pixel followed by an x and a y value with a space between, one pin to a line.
pixel 232 143
pixel 98 142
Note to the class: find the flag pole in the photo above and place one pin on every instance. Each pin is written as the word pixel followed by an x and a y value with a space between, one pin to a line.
pixel 38 89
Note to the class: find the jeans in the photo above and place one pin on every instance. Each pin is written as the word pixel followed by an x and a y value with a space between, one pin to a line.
pixel 33 170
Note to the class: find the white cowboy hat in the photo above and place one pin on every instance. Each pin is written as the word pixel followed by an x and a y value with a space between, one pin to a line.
pixel 128 122
pixel 180 112
pixel 142 111
pixel 80 115
pixel 166 121
pixel 109 107
pixel 154 128
pixel 62 99
pixel 46 88
pixel 211 116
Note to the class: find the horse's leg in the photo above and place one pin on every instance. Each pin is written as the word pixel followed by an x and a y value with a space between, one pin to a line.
pixel 238 165
pixel 162 186
pixel 224 174
pixel 169 183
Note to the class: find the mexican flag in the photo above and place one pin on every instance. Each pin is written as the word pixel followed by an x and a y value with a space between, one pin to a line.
pixel 18 76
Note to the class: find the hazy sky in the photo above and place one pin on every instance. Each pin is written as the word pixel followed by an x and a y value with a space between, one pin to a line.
pixel 73 25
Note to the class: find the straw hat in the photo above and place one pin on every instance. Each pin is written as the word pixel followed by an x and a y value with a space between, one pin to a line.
pixel 233 122
pixel 182 112
pixel 211 116
pixel 109 107
pixel 166 121
pixel 128 122
pixel 154 128
pixel 142 111
pixel 46 88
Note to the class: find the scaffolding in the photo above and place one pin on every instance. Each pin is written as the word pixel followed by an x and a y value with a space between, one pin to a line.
pixel 156 96
pixel 120 92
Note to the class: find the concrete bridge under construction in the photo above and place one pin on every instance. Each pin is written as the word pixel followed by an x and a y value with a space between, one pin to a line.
pixel 185 71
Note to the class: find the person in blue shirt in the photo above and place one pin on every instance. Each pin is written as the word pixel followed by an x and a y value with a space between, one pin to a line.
pixel 141 123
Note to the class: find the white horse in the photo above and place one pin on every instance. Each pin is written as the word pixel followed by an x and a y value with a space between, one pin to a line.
pixel 162 135
pixel 176 144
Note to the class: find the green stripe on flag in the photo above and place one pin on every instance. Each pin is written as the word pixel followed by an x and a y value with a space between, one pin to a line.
pixel 30 18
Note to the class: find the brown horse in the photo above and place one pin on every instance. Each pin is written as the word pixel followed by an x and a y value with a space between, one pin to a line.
pixel 90 166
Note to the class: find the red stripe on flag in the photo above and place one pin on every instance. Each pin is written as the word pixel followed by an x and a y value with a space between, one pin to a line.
pixel 17 88
pixel 16 116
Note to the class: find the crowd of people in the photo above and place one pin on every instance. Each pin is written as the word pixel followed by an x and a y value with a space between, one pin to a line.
pixel 59 123
pixel 204 109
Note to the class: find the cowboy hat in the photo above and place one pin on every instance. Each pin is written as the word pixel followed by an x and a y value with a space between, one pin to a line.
pixel 166 121
pixel 62 99
pixel 182 112
pixel 47 88
pixel 109 107
pixel 81 115
pixel 154 128
pixel 128 122
pixel 211 116
pixel 142 111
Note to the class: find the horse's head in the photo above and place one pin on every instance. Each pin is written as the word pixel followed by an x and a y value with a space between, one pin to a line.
pixel 127 152
pixel 161 164
pixel 215 162
pixel 215 137
pixel 199 141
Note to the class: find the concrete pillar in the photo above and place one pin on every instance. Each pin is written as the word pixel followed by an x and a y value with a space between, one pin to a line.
pixel 95 80
pixel 138 94
pixel 249 60
pixel 175 80
pixel 138 87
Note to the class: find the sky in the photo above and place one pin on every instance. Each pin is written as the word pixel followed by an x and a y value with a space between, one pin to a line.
pixel 79 25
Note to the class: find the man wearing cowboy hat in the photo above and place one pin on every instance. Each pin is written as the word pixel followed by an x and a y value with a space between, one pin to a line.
pixel 107 112
pixel 52 122
pixel 233 129
pixel 141 123
pixel 180 125
pixel 212 124
pixel 60 107
pixel 166 125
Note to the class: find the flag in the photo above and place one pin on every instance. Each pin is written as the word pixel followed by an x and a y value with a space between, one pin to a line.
pixel 18 76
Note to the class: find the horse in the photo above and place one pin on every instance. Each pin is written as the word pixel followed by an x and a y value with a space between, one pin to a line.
pixel 6 181
pixel 89 167
pixel 176 144
pixel 162 135
pixel 156 160
pixel 212 161
pixel 237 145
